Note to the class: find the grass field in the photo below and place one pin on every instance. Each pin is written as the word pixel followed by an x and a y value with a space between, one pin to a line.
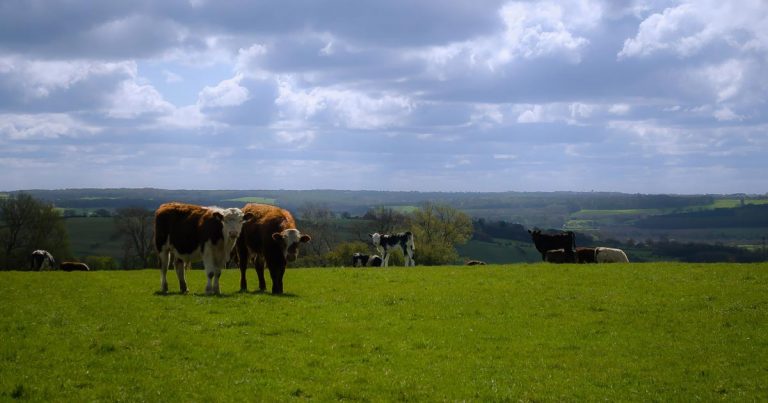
pixel 638 332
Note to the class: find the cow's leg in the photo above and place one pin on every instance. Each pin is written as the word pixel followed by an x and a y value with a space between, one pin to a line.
pixel 259 263
pixel 276 272
pixel 242 257
pixel 181 274
pixel 164 262
pixel 216 276
pixel 409 261
pixel 385 259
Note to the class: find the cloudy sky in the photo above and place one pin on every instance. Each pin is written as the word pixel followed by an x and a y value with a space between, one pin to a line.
pixel 638 96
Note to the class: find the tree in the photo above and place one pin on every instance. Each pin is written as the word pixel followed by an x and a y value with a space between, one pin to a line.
pixel 27 224
pixel 135 225
pixel 437 229
pixel 387 220
pixel 317 220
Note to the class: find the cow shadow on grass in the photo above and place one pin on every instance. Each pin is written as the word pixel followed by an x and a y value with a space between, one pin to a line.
pixel 263 292
pixel 229 295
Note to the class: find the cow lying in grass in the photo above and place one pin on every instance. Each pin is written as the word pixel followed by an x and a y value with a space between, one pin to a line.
pixel 610 255
pixel 74 266
pixel 363 260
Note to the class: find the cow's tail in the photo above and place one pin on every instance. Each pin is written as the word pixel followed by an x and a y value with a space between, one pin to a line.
pixel 161 233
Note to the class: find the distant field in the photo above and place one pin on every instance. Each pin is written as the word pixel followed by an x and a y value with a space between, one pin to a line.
pixel 94 236
pixel 528 332
pixel 502 251
pixel 263 200
pixel 730 203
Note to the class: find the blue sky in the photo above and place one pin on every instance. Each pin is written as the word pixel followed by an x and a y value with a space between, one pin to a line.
pixel 433 95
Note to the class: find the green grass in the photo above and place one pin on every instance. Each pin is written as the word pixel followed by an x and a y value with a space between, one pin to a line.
pixel 263 200
pixel 639 332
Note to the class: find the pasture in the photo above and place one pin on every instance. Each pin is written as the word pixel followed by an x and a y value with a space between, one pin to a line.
pixel 529 332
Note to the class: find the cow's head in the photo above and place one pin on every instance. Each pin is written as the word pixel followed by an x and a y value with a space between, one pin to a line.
pixel 290 240
pixel 232 220
pixel 375 239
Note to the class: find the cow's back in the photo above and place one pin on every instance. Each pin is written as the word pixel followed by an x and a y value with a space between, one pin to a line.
pixel 178 223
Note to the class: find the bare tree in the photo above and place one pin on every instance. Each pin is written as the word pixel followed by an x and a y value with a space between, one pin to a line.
pixel 135 225
pixel 387 220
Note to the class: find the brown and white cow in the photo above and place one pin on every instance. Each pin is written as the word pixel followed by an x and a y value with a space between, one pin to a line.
pixel 269 236
pixel 585 255
pixel 186 233
pixel 559 256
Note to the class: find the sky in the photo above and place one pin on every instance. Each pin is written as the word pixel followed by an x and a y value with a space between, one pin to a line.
pixel 635 96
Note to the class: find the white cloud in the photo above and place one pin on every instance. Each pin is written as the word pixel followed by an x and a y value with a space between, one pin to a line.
pixel 619 109
pixel 226 93
pixel 132 100
pixel 532 115
pixel 42 126
pixel 689 27
pixel 40 78
pixel 298 138
pixel 725 114
pixel 531 31
pixel 342 107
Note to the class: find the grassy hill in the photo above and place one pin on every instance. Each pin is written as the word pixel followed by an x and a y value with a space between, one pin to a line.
pixel 529 332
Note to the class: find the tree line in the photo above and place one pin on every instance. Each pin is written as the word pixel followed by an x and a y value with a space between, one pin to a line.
pixel 27 224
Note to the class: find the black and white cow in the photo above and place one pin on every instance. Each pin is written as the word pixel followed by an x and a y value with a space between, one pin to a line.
pixel 363 260
pixel 359 259
pixel 41 260
pixel 384 243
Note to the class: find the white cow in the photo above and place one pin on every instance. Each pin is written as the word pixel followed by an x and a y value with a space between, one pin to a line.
pixel 185 233
pixel 610 255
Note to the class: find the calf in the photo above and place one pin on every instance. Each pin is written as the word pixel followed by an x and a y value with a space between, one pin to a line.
pixel 559 256
pixel 610 255
pixel 186 233
pixel 374 261
pixel 271 236
pixel 545 242
pixel 475 263
pixel 41 260
pixel 74 266
pixel 585 255
pixel 359 259
pixel 385 243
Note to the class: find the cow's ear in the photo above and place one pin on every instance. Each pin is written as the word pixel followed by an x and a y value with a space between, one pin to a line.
pixel 305 238
pixel 277 236
pixel 247 216
pixel 218 216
